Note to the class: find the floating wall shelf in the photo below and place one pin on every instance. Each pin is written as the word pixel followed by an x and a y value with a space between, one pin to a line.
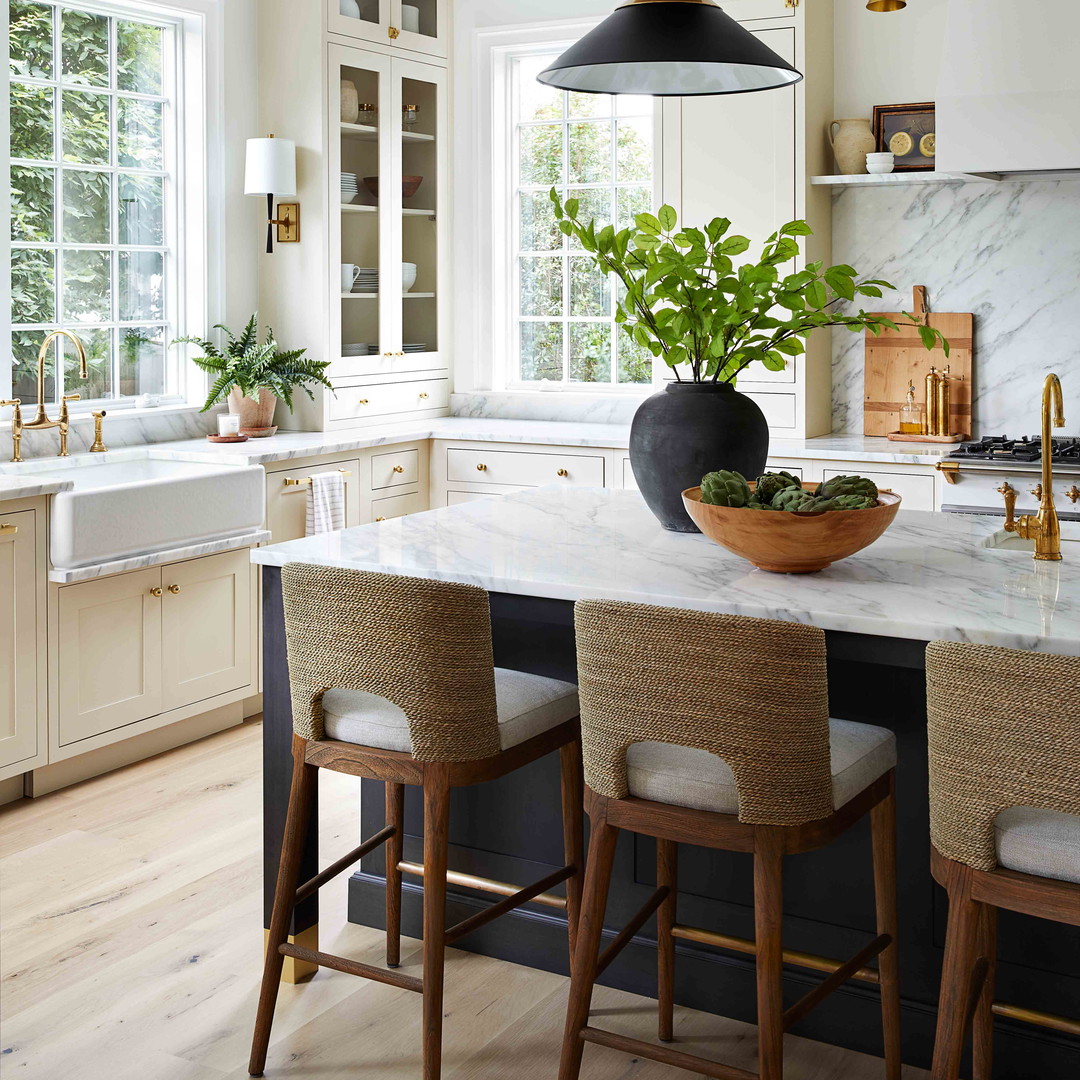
pixel 869 180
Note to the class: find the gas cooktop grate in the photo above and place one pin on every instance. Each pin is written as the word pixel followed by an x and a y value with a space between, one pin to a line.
pixel 1028 449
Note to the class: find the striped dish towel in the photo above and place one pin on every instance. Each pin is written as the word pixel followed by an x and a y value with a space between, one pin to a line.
pixel 326 503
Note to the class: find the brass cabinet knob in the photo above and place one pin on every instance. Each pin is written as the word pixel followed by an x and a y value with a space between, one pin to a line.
pixel 394 33
pixel 156 590
pixel 423 397
pixel 174 589
pixel 399 468
pixel 399 354
pixel 481 468
pixel 388 354
pixel 362 401
pixel 380 519
pixel 563 472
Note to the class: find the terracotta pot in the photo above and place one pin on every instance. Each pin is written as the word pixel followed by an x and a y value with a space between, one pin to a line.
pixel 785 542
pixel 256 417
pixel 851 144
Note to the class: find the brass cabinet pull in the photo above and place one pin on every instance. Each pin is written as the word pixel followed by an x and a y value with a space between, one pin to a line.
pixel 156 590
pixel 423 397
pixel 563 472
pixel 388 354
pixel 8 530
pixel 394 33
pixel 399 354
pixel 292 481
pixel 174 589
pixel 399 468
pixel 362 401
pixel 481 468
pixel 380 519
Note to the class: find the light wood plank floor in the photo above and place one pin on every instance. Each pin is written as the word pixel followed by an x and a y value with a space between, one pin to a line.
pixel 131 938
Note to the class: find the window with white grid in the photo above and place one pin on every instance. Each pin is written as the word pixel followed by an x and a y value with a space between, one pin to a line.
pixel 599 150
pixel 93 159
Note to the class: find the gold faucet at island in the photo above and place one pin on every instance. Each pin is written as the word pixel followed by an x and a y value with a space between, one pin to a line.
pixel 41 420
pixel 1042 527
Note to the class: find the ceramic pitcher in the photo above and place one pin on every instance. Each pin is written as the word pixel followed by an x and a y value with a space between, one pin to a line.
pixel 350 102
pixel 851 144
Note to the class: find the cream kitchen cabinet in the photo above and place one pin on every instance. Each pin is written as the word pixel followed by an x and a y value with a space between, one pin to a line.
pixel 22 644
pixel 420 26
pixel 143 649
pixel 914 484
pixel 287 492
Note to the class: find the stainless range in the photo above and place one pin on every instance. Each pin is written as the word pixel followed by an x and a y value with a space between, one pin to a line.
pixel 977 471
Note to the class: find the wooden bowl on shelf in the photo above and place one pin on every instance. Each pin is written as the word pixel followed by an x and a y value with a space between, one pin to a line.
pixel 410 185
pixel 784 542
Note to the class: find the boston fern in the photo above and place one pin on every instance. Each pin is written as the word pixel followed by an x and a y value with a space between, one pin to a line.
pixel 684 299
pixel 249 367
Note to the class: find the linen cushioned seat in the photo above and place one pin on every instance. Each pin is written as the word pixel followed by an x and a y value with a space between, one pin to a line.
pixel 527 706
pixel 698 779
pixel 1041 842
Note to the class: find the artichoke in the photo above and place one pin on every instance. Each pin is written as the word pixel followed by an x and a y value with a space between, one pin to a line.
pixel 756 503
pixel 796 500
pixel 771 484
pixel 725 488
pixel 848 485
pixel 846 502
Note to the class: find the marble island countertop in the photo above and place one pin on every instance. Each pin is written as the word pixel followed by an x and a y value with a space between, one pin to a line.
pixel 931 575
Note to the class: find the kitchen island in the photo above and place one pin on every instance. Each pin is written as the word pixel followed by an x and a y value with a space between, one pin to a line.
pixel 931 576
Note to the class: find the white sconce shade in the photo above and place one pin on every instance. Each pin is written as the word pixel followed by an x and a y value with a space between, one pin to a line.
pixel 271 167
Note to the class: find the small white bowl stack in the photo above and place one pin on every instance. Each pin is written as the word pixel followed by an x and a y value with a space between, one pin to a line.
pixel 880 164
pixel 349 187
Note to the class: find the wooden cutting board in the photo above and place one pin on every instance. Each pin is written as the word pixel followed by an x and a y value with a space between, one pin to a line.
pixel 895 360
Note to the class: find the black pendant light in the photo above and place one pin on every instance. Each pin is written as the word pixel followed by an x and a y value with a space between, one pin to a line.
pixel 669 48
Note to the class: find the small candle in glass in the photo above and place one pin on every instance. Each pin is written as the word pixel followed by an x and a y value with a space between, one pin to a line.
pixel 228 424
pixel 410 116
pixel 368 114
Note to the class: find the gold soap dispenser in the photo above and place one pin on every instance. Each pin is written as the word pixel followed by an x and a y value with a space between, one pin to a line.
pixel 912 421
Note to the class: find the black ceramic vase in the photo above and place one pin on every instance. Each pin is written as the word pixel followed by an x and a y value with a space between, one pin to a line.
pixel 687 430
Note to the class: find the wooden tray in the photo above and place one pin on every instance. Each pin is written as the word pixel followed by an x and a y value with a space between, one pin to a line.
pixel 895 360
pixel 899 436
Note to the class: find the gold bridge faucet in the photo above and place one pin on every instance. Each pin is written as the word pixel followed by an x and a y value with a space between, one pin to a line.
pixel 41 420
pixel 1042 527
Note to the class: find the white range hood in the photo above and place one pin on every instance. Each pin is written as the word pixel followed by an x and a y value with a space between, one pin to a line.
pixel 1009 92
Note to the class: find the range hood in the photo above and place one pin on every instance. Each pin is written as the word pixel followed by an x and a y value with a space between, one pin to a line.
pixel 1009 91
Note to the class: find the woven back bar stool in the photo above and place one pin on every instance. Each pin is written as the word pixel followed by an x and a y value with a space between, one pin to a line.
pixel 393 679
pixel 1004 822
pixel 714 730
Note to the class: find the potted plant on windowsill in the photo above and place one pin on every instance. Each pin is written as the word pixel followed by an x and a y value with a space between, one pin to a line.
pixel 684 299
pixel 253 378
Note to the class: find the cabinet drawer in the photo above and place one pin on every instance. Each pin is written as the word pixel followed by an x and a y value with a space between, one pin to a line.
pixel 395 469
pixel 395 506
pixel 522 470
pixel 455 497
pixel 360 402
pixel 286 504
pixel 916 491
pixel 785 466
pixel 629 481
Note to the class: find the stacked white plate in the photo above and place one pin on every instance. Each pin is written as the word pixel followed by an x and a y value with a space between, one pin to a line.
pixel 367 281
pixel 358 348
pixel 415 348
pixel 349 188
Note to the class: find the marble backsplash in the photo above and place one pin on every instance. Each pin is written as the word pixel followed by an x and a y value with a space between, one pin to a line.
pixel 125 427
pixel 1008 252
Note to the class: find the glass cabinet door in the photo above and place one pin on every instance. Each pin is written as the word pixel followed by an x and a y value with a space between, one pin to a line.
pixel 422 25
pixel 361 234
pixel 419 177
pixel 369 19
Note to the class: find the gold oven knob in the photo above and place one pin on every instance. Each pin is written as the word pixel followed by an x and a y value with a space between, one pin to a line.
pixel 1073 493
pixel 481 468
pixel 563 472
pixel 174 589
pixel 156 590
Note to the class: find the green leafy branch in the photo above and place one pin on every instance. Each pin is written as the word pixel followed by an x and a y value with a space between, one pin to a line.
pixel 249 367
pixel 684 299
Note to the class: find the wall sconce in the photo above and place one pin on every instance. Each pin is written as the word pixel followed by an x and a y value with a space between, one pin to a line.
pixel 271 170
pixel 886 5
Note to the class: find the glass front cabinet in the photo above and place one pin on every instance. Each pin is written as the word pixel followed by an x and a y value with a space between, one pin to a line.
pixel 414 25
pixel 387 211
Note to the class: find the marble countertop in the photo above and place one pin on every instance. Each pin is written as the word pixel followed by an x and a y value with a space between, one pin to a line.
pixel 931 575
pixel 29 486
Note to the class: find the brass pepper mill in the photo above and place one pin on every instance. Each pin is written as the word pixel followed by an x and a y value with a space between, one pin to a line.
pixel 932 381
pixel 943 419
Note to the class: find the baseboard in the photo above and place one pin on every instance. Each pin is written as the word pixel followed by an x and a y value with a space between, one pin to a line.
pixel 719 983
pixel 12 789
pixel 73 770
pixel 253 706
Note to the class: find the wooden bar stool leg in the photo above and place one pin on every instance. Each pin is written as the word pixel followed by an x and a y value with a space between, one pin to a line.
pixel 960 948
pixel 768 923
pixel 395 815
pixel 667 854
pixel 593 905
pixel 983 1032
pixel 883 832
pixel 573 793
pixel 305 779
pixel 436 851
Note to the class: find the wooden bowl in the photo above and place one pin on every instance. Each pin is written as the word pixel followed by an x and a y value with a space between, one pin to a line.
pixel 409 185
pixel 784 542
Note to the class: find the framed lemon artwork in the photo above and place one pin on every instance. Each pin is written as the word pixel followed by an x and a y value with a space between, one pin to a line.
pixel 908 132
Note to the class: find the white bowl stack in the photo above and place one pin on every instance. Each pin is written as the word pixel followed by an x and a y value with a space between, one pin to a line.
pixel 349 187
